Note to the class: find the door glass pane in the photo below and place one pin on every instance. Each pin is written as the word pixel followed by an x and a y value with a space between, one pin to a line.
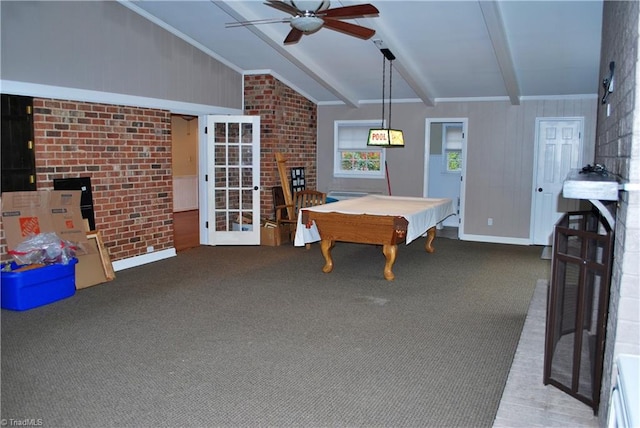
pixel 234 199
pixel 221 221
pixel 234 178
pixel 247 155
pixel 220 132
pixel 234 155
pixel 247 133
pixel 234 133
pixel 454 160
pixel 220 154
pixel 220 178
pixel 247 200
pixel 247 178
pixel 220 199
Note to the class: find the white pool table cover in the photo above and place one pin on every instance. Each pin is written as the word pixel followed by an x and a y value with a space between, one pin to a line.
pixel 421 213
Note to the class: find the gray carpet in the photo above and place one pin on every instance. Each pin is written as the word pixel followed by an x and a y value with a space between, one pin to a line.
pixel 259 336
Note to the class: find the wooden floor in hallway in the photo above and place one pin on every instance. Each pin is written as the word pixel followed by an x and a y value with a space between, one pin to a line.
pixel 186 233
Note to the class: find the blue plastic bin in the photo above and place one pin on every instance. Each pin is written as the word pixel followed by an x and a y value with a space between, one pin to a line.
pixel 37 287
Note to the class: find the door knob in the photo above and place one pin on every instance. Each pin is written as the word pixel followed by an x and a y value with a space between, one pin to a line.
pixel 255 187
pixel 539 189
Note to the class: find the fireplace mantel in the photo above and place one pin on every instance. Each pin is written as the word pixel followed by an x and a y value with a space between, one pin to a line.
pixel 595 187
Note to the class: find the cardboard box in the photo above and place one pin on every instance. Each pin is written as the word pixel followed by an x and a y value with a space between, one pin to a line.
pixel 270 236
pixel 41 211
pixel 285 234
pixel 236 227
pixel 30 288
pixel 89 270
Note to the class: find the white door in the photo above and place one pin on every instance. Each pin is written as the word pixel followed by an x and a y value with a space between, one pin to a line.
pixel 558 150
pixel 233 180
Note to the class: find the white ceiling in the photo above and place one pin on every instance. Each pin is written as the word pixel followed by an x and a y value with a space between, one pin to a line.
pixel 449 49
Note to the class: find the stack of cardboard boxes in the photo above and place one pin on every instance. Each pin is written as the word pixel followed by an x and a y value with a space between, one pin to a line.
pixel 25 214
pixel 272 235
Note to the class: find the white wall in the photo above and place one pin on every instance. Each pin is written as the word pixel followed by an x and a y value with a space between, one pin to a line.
pixel 103 46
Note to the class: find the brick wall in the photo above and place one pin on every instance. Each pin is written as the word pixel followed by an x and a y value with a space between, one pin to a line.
pixel 288 124
pixel 126 152
pixel 617 148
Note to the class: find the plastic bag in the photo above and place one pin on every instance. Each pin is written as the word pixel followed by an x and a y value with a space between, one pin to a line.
pixel 46 248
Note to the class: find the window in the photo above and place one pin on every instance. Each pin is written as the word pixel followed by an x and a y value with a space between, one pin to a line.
pixel 352 156
pixel 452 146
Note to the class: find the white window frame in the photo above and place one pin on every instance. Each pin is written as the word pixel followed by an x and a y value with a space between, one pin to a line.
pixel 364 126
pixel 446 148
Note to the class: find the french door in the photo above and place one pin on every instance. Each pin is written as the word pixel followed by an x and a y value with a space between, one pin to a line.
pixel 233 180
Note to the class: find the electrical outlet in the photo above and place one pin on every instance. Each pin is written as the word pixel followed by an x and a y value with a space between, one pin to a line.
pixel 150 249
pixel 489 221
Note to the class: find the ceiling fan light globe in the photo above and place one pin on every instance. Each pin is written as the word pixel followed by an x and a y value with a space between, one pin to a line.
pixel 310 6
pixel 307 24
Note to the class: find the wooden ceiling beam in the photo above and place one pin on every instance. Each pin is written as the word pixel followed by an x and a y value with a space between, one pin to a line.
pixel 498 35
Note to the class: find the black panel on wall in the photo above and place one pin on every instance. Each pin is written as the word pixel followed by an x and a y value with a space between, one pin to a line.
pixel 18 162
pixel 86 198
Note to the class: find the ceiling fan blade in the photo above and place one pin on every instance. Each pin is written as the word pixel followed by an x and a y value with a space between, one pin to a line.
pixel 355 11
pixel 294 36
pixel 282 6
pixel 350 29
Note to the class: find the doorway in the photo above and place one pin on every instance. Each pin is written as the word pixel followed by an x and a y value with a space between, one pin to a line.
pixel 445 154
pixel 184 161
pixel 558 151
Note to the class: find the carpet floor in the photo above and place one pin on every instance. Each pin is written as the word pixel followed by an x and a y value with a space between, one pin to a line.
pixel 259 336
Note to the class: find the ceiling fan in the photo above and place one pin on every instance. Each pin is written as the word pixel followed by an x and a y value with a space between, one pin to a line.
pixel 309 16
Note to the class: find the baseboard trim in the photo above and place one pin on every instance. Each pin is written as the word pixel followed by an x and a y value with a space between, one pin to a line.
pixel 495 239
pixel 143 259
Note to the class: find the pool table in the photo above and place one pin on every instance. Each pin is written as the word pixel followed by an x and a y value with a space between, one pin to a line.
pixel 372 219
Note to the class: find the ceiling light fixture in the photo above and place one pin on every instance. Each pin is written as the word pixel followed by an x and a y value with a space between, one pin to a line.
pixel 386 137
pixel 310 6
pixel 307 24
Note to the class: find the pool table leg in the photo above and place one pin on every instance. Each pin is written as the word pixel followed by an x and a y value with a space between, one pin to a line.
pixel 389 252
pixel 431 235
pixel 325 246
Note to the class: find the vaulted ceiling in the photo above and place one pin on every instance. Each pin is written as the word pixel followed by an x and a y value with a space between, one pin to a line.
pixel 445 50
